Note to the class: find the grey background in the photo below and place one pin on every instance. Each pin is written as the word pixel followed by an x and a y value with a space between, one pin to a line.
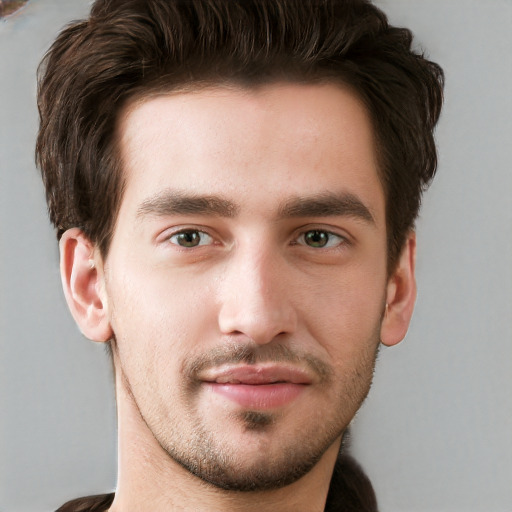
pixel 435 434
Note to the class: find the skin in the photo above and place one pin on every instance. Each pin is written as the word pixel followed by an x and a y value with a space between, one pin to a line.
pixel 251 240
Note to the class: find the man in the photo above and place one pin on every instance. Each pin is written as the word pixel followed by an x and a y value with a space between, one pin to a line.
pixel 234 186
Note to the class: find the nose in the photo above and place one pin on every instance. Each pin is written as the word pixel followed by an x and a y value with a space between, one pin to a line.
pixel 256 297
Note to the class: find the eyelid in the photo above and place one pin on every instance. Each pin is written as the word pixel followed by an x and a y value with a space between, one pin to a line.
pixel 204 239
pixel 344 238
pixel 167 234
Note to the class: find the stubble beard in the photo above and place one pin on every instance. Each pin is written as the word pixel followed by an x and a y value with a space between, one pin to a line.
pixel 201 452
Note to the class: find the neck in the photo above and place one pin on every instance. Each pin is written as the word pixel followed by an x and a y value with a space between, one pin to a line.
pixel 149 479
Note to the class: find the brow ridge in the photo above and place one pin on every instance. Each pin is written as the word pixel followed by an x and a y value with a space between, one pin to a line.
pixel 178 203
pixel 326 205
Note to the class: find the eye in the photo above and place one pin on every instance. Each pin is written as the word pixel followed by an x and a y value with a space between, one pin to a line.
pixel 191 238
pixel 320 239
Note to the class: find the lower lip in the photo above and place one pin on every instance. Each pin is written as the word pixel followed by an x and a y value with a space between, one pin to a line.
pixel 262 396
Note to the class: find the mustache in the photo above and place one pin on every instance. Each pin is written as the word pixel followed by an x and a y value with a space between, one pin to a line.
pixel 252 354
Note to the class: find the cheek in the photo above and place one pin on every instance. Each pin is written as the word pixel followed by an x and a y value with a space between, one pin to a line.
pixel 345 316
pixel 158 318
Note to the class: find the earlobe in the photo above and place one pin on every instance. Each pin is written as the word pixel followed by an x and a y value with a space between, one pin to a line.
pixel 83 283
pixel 400 295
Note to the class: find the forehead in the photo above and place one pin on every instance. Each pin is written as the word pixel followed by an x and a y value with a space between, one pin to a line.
pixel 230 141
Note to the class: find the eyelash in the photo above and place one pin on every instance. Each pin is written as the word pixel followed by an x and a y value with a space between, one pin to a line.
pixel 341 240
pixel 299 240
pixel 189 232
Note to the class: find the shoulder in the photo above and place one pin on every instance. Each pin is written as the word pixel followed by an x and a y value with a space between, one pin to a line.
pixel 99 503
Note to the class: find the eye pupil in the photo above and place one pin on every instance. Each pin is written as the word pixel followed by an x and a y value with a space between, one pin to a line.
pixel 316 238
pixel 188 239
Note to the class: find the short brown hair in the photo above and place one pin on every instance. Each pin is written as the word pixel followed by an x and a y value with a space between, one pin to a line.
pixel 131 47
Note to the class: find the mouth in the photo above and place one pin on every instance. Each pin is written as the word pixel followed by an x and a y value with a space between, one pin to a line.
pixel 257 387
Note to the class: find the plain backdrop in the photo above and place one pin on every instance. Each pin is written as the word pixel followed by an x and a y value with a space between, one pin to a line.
pixel 435 433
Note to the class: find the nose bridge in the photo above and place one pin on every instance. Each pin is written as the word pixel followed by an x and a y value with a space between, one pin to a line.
pixel 255 299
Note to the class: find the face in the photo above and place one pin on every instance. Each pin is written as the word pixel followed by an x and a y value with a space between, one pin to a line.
pixel 246 278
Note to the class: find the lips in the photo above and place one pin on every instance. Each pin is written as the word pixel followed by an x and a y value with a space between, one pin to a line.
pixel 259 386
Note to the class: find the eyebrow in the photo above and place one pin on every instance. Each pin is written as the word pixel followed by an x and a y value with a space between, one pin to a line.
pixel 177 203
pixel 327 205
pixel 170 202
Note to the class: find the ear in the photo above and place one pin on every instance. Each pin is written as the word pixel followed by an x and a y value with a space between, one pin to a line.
pixel 81 271
pixel 400 295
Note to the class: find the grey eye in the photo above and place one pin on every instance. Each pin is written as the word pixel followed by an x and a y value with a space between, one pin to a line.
pixel 316 238
pixel 320 239
pixel 190 238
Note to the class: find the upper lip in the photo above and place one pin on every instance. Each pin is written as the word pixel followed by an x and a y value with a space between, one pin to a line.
pixel 256 374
